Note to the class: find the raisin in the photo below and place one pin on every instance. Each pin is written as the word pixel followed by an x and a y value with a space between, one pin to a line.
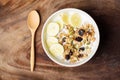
pixel 70 53
pixel 81 32
pixel 81 49
pixel 79 39
pixel 80 55
pixel 67 57
pixel 63 39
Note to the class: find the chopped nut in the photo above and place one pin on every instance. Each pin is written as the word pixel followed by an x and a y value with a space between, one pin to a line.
pixel 73 59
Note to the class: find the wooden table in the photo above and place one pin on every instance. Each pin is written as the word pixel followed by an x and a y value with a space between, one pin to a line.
pixel 15 40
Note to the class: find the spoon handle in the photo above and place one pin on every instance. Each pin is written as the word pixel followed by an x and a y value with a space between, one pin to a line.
pixel 32 54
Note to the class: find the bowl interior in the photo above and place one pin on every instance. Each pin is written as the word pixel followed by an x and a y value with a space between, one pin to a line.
pixel 85 18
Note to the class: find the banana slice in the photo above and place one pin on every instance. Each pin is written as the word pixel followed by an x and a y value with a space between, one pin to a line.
pixel 52 29
pixel 51 40
pixel 60 22
pixel 58 19
pixel 65 18
pixel 75 20
pixel 57 50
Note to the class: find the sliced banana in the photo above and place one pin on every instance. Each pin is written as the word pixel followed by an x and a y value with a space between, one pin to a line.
pixel 52 29
pixel 60 22
pixel 75 20
pixel 65 18
pixel 57 50
pixel 58 19
pixel 51 40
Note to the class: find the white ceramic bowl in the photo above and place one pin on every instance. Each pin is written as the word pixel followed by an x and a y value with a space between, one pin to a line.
pixel 85 18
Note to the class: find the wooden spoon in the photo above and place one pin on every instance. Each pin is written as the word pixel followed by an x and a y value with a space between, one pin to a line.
pixel 33 22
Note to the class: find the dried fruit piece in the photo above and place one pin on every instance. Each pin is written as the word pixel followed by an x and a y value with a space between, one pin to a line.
pixel 63 39
pixel 71 52
pixel 67 57
pixel 79 39
pixel 81 49
pixel 81 32
pixel 80 55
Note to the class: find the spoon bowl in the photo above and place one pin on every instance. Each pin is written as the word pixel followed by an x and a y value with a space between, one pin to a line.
pixel 33 20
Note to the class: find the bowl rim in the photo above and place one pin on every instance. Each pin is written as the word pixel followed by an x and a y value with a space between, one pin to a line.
pixel 48 54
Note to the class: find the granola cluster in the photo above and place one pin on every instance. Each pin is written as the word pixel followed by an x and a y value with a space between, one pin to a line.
pixel 76 41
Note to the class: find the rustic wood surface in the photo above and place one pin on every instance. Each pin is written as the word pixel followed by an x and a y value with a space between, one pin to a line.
pixel 15 40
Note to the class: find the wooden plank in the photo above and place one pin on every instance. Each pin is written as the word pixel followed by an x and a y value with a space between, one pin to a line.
pixel 15 40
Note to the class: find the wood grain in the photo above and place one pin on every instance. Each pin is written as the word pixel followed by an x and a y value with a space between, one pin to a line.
pixel 15 41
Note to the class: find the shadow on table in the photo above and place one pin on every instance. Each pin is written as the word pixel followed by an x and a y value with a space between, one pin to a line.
pixel 104 32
